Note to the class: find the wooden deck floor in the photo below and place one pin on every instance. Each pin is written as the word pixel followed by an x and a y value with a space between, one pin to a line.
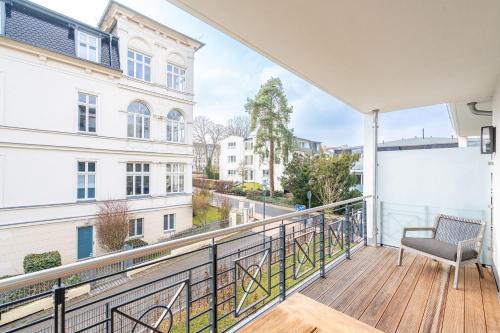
pixel 416 297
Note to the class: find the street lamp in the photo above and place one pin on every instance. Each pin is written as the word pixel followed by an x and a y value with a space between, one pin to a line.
pixel 264 185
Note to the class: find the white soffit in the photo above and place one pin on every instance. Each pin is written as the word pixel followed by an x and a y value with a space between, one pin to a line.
pixel 464 122
pixel 385 54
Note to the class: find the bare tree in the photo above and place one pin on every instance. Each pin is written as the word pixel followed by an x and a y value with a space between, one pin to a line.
pixel 209 135
pixel 112 224
pixel 239 126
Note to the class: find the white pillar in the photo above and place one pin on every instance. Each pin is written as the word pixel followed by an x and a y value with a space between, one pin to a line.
pixel 495 221
pixel 370 124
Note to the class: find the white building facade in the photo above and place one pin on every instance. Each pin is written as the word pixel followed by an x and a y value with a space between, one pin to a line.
pixel 239 163
pixel 90 115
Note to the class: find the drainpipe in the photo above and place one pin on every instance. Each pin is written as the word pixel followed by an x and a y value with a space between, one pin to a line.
pixel 375 175
pixel 474 110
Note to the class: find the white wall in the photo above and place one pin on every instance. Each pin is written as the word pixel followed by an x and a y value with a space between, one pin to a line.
pixel 416 185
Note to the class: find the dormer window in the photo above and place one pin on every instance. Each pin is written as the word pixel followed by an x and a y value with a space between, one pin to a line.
pixel 88 47
pixel 176 77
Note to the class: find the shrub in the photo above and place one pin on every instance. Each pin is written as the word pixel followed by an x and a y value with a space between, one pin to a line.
pixel 201 204
pixel 136 242
pixel 223 186
pixel 38 261
pixel 238 191
pixel 224 209
pixel 112 224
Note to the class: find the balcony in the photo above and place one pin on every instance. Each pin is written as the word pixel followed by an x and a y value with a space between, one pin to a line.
pixel 229 279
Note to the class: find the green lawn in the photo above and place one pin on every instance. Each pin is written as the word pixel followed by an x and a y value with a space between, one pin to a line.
pixel 212 216
pixel 251 186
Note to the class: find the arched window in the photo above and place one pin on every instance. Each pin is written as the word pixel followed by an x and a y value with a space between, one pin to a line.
pixel 175 126
pixel 138 125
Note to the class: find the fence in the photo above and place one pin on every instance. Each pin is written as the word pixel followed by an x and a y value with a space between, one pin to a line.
pixel 214 288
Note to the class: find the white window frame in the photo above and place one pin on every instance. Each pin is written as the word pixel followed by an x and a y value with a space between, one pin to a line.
pixel 135 222
pixel 134 173
pixel 231 145
pixel 145 118
pixel 170 222
pixel 231 159
pixel 248 159
pixel 265 173
pixel 248 145
pixel 88 38
pixel 175 128
pixel 231 172
pixel 87 105
pixel 176 77
pixel 86 174
pixel 247 173
pixel 135 62
pixel 175 178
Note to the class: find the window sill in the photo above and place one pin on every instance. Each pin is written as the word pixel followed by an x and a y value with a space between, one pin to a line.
pixel 135 237
pixel 85 200
pixel 139 196
pixel 87 133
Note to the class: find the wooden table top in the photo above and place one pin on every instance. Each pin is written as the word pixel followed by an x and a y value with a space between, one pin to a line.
pixel 301 314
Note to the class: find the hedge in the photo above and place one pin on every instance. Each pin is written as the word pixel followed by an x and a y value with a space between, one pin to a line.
pixel 35 262
pixel 222 186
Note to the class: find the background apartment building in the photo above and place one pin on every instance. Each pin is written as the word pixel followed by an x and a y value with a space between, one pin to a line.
pixel 239 163
pixel 90 114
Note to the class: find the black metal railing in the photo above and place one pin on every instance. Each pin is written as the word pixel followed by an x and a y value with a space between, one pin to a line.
pixel 214 288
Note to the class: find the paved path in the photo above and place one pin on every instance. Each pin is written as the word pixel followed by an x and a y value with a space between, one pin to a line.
pixel 271 210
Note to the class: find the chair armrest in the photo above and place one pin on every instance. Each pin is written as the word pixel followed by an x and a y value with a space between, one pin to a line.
pixel 464 243
pixel 405 230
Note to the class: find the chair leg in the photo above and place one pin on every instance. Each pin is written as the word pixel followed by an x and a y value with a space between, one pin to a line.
pixel 455 280
pixel 400 256
pixel 480 269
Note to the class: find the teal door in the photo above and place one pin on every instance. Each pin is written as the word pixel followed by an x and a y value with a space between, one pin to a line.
pixel 85 242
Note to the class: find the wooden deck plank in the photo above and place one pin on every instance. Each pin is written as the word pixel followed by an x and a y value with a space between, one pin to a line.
pixel 417 297
pixel 474 311
pixel 414 311
pixel 434 310
pixel 386 262
pixel 365 296
pixel 490 302
pixel 453 321
pixel 344 282
pixel 345 269
pixel 376 309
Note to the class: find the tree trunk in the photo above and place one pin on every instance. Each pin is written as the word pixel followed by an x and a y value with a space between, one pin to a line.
pixel 271 168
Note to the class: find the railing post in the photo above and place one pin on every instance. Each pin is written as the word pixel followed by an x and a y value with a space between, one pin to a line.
pixel 213 287
pixel 108 317
pixel 59 307
pixel 363 223
pixel 347 233
pixel 322 245
pixel 282 265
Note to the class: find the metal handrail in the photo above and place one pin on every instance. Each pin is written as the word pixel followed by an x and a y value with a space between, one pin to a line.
pixel 93 263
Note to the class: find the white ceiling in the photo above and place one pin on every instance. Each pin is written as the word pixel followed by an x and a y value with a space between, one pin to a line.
pixel 384 54
pixel 464 122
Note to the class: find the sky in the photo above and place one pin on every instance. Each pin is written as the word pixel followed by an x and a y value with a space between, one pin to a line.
pixel 227 73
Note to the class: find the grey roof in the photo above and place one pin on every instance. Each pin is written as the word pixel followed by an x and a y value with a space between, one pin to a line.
pixel 418 141
pixel 38 26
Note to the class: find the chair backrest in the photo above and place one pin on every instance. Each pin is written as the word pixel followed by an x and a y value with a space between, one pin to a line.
pixel 452 229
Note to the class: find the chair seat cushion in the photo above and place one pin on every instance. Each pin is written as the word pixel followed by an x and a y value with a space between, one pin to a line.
pixel 437 248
